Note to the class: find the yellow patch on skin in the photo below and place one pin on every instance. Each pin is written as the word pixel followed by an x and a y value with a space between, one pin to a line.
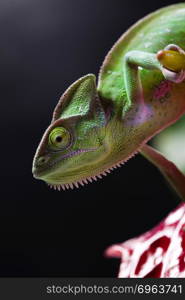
pixel 172 60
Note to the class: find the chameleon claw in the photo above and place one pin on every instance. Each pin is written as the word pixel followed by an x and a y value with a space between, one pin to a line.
pixel 174 48
pixel 173 76
pixel 180 76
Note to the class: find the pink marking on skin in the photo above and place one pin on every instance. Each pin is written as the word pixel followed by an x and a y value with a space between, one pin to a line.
pixel 163 88
pixel 144 114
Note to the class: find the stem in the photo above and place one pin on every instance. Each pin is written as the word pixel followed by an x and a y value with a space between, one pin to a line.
pixel 174 176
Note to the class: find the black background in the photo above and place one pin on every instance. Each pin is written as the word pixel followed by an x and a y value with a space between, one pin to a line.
pixel 45 45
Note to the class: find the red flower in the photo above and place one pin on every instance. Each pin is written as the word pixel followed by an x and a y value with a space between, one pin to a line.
pixel 159 252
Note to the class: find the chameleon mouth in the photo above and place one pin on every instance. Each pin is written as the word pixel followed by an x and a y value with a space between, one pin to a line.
pixel 90 179
pixel 38 173
pixel 71 154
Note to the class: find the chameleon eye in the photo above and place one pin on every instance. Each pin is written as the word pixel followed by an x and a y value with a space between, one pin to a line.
pixel 59 138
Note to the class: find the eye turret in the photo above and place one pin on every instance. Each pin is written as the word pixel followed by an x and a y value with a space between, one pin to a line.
pixel 59 138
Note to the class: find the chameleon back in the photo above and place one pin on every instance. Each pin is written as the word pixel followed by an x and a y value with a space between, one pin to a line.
pixel 165 101
pixel 150 34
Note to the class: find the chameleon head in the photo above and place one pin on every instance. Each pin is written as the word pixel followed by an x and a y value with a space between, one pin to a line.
pixel 74 142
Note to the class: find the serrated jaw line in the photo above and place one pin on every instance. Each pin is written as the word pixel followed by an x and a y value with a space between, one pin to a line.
pixel 90 179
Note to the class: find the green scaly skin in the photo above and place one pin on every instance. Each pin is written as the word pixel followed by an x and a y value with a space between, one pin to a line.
pixel 108 124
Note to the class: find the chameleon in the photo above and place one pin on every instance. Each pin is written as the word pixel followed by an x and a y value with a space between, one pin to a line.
pixel 140 91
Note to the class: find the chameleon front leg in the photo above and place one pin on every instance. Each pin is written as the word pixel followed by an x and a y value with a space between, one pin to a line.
pixel 171 62
pixel 172 57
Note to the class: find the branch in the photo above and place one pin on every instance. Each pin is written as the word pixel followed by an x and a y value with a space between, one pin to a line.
pixel 173 175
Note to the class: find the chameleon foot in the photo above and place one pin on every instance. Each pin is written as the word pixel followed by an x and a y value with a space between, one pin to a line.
pixel 172 60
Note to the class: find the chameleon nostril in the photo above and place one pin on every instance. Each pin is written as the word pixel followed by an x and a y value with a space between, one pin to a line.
pixel 41 160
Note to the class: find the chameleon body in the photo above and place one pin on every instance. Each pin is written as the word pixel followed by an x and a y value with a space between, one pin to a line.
pixel 140 91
